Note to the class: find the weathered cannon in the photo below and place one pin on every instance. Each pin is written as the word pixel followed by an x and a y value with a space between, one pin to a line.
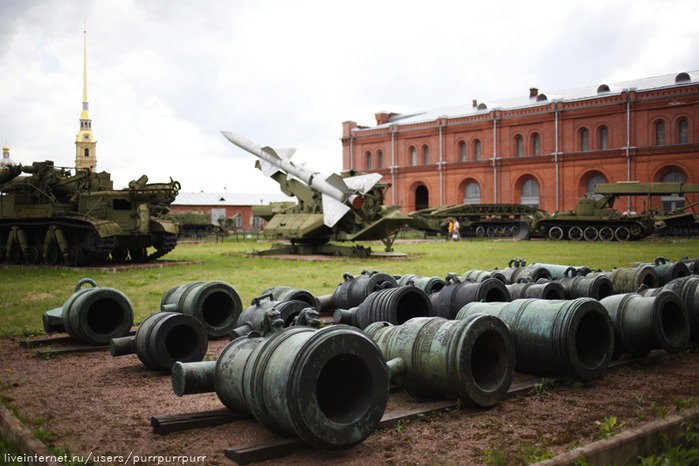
pixel 456 294
pixel 629 280
pixel 666 270
pixel 92 315
pixel 559 271
pixel 543 289
pixel 571 337
pixel 480 275
pixel 472 359
pixel 216 305
pixel 642 324
pixel 353 290
pixel 164 338
pixel 579 286
pixel 692 265
pixel 428 284
pixel 329 386
pixel 253 319
pixel 288 293
pixel 688 290
pixel 517 269
pixel 394 305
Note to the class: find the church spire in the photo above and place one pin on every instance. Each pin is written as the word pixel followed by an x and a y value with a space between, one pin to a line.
pixel 85 142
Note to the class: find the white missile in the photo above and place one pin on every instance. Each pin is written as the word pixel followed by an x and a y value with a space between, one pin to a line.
pixel 338 194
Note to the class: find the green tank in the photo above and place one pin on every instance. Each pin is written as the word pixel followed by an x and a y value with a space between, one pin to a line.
pixel 50 215
pixel 192 224
pixel 592 220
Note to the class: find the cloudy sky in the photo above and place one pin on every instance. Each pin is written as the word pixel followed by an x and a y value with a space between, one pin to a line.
pixel 166 76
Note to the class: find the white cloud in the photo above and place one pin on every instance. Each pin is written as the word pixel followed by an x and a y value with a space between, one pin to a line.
pixel 166 76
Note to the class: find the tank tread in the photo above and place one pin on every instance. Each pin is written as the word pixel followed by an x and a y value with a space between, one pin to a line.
pixel 165 242
pixel 633 230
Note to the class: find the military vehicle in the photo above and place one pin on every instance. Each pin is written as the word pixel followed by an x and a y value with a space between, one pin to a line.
pixel 595 219
pixel 193 224
pixel 54 216
pixel 491 220
pixel 329 208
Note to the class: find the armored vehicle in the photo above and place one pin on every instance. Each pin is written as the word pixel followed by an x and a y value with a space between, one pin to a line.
pixel 195 223
pixel 53 216
pixel 492 220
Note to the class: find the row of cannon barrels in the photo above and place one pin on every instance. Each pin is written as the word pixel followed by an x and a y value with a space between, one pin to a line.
pixel 454 337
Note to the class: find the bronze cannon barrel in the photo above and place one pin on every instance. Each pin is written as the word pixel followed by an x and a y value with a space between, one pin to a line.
pixel 394 305
pixel 428 284
pixel 571 337
pixel 558 271
pixel 329 386
pixel 642 324
pixel 472 359
pixel 630 279
pixel 666 270
pixel 544 289
pixel 480 275
pixel 579 286
pixel 353 290
pixel 253 317
pixel 288 293
pixel 456 294
pixel 215 304
pixel 517 269
pixel 688 290
pixel 164 338
pixel 92 315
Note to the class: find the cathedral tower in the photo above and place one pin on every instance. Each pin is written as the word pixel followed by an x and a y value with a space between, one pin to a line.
pixel 85 142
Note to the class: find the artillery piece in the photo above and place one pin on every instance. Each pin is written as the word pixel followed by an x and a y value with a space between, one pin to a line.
pixel 54 217
pixel 329 208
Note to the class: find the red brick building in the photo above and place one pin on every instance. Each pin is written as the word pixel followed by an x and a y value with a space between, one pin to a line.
pixel 543 149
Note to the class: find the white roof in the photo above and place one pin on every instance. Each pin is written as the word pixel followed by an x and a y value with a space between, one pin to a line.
pixel 229 199
pixel 582 93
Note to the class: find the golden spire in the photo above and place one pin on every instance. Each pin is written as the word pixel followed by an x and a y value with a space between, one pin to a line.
pixel 85 142
pixel 85 104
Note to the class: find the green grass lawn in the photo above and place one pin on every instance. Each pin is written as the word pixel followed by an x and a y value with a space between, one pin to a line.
pixel 27 294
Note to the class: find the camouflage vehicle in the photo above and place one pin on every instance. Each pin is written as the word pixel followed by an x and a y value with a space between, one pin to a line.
pixel 193 224
pixel 52 216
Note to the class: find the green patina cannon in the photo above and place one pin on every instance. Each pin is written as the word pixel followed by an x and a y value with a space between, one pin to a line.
pixel 480 275
pixel 570 337
pixel 517 269
pixel 254 317
pixel 329 386
pixel 630 279
pixel 288 293
pixel 353 290
pixel 578 286
pixel 428 284
pixel 642 324
pixel 92 315
pixel 216 305
pixel 472 359
pixel 456 294
pixel 394 305
pixel 164 338
pixel 666 270
pixel 543 289
pixel 688 290
pixel 558 271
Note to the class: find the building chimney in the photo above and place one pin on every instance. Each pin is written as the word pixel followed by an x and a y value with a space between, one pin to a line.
pixel 533 92
pixel 475 103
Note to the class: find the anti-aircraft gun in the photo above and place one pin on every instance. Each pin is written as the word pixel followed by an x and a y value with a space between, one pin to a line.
pixel 52 216
pixel 329 208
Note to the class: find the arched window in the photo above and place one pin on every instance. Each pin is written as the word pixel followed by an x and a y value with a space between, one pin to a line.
pixel 472 193
pixel 425 155
pixel 462 151
pixel 584 140
pixel 684 131
pixel 530 193
pixel 477 149
pixel 380 159
pixel 536 144
pixel 413 156
pixel 592 184
pixel 660 133
pixel 368 160
pixel 519 142
pixel 674 201
pixel 87 152
pixel 603 138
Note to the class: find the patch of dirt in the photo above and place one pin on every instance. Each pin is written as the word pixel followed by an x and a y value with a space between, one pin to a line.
pixel 100 405
pixel 35 296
